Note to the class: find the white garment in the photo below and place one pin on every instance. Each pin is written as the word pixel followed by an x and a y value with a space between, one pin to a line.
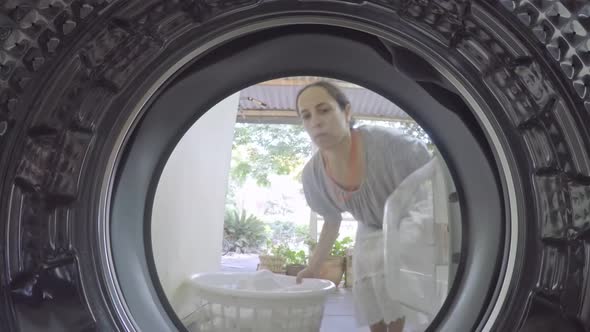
pixel 394 276
pixel 372 303
pixel 410 243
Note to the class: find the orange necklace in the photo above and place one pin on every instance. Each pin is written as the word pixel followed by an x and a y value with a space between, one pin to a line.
pixel 343 195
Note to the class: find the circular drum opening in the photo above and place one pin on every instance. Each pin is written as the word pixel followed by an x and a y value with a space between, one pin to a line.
pixel 249 185
pixel 453 118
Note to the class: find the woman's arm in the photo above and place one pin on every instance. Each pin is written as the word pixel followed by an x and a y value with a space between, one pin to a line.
pixel 328 236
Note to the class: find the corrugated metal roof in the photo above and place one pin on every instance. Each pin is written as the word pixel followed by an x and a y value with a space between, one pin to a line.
pixel 364 102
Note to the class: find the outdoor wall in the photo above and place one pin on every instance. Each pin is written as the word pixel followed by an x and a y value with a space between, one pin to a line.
pixel 187 219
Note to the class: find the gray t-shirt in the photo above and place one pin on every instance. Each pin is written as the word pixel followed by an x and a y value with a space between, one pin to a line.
pixel 390 156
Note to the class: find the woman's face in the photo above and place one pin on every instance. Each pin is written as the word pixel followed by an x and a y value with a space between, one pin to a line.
pixel 323 119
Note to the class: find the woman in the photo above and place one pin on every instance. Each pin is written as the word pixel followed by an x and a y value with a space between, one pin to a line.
pixel 355 170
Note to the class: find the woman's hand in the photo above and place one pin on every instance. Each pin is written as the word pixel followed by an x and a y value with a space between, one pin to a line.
pixel 307 272
pixel 322 251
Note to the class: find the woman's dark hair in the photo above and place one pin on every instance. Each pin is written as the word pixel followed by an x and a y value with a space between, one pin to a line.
pixel 334 91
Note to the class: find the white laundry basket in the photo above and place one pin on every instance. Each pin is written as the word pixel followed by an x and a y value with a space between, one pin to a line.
pixel 256 302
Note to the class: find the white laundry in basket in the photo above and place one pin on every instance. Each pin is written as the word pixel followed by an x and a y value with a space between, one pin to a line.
pixel 262 280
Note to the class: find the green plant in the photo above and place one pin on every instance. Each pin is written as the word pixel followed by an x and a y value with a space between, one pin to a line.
pixel 298 257
pixel 341 247
pixel 310 243
pixel 275 250
pixel 243 232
